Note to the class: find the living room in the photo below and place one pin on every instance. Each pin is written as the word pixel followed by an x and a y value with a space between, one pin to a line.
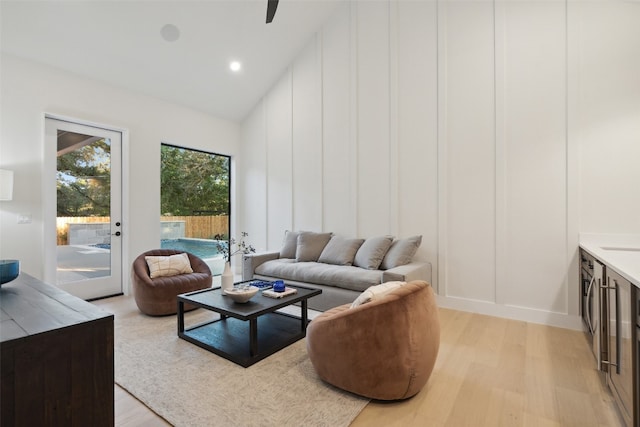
pixel 497 131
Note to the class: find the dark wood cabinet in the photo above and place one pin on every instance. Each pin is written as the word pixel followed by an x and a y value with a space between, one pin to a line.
pixel 56 358
pixel 621 338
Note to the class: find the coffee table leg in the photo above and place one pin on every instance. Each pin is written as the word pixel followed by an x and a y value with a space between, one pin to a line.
pixel 303 316
pixel 180 317
pixel 253 337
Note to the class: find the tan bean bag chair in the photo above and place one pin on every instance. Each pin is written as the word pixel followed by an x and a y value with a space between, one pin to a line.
pixel 157 296
pixel 384 349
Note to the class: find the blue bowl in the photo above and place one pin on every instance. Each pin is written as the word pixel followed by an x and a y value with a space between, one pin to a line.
pixel 9 270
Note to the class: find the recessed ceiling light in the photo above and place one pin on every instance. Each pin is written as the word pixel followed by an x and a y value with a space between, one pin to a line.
pixel 235 66
pixel 170 32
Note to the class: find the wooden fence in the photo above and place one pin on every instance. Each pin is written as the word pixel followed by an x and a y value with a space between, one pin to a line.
pixel 201 227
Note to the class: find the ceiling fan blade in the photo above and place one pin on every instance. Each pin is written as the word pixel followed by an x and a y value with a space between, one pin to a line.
pixel 271 10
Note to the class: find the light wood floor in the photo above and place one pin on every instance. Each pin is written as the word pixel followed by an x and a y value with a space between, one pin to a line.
pixel 490 372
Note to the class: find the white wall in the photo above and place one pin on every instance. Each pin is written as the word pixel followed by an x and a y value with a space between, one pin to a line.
pixel 480 125
pixel 605 95
pixel 30 90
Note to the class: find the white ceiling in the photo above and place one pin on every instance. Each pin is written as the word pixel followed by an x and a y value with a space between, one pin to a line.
pixel 119 42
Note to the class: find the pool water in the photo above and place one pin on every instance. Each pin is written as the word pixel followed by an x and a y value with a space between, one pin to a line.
pixel 199 247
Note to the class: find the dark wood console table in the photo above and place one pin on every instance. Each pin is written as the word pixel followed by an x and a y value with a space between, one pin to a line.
pixel 56 358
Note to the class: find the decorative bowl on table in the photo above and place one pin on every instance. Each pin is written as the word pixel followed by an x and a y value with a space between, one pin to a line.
pixel 9 270
pixel 241 294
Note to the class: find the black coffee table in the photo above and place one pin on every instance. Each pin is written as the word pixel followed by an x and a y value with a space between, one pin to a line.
pixel 245 333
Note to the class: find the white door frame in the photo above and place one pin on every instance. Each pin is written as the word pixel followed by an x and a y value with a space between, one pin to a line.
pixel 49 199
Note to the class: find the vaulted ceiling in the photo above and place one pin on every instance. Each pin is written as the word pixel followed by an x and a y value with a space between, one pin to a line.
pixel 177 51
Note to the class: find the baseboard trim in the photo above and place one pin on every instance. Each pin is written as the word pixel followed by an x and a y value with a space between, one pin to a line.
pixel 561 320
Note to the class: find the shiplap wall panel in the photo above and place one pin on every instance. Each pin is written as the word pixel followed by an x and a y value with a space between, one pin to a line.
pixel 338 160
pixel 307 139
pixel 252 191
pixel 373 118
pixel 450 119
pixel 470 165
pixel 536 162
pixel 279 162
pixel 608 111
pixel 417 115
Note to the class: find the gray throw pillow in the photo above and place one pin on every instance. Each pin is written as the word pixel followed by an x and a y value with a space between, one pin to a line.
pixel 401 252
pixel 340 251
pixel 290 244
pixel 310 245
pixel 372 252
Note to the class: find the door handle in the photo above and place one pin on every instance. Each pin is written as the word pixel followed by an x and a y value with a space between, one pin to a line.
pixel 617 326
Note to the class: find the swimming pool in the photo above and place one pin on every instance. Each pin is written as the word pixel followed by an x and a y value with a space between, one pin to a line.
pixel 202 248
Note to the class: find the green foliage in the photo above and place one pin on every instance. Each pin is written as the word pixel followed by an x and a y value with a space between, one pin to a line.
pixel 84 181
pixel 231 247
pixel 193 182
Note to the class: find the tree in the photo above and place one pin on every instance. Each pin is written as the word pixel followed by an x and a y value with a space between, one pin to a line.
pixel 193 182
pixel 84 180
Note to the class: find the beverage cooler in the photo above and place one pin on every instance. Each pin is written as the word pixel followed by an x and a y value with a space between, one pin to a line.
pixel 621 327
pixel 610 309
pixel 636 357
pixel 593 306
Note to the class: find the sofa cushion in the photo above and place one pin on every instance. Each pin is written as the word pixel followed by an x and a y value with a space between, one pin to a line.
pixel 310 245
pixel 171 265
pixel 401 252
pixel 372 252
pixel 289 245
pixel 340 251
pixel 342 276
pixel 376 292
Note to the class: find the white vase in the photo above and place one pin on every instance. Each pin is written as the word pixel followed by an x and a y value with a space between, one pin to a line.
pixel 227 277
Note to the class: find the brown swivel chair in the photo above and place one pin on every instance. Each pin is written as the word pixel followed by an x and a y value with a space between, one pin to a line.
pixel 384 349
pixel 157 296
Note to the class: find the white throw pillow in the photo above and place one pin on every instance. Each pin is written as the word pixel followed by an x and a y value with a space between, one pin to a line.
pixel 376 292
pixel 171 265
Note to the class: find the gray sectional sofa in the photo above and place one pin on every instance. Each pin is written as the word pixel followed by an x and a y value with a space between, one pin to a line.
pixel 341 267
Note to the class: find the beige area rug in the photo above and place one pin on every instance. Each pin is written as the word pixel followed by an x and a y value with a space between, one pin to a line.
pixel 189 386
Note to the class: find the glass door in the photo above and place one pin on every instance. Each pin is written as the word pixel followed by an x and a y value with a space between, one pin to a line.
pixel 86 208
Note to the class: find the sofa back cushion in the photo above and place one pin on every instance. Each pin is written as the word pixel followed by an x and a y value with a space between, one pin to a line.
pixel 340 251
pixel 372 252
pixel 289 245
pixel 310 245
pixel 401 252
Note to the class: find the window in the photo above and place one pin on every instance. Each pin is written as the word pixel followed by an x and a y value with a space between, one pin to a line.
pixel 195 201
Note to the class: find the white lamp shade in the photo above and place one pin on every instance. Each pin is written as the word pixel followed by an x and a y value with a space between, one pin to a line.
pixel 6 184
